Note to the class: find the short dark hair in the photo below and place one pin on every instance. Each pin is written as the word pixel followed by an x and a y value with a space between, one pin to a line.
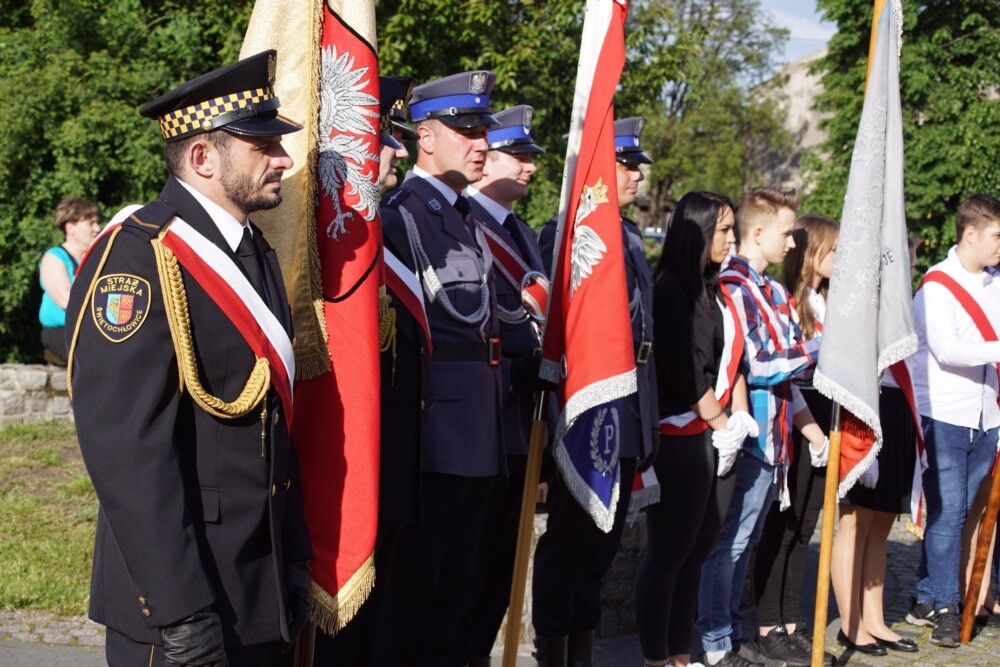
pixel 173 151
pixel 977 210
pixel 71 209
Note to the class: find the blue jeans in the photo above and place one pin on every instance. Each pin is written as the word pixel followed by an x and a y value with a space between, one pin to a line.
pixel 959 459
pixel 722 574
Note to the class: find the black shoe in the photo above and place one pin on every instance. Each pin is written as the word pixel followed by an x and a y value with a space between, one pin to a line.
pixel 867 649
pixel 947 628
pixel 905 645
pixel 551 651
pixel 921 613
pixel 804 640
pixel 749 651
pixel 993 621
pixel 777 645
pixel 733 659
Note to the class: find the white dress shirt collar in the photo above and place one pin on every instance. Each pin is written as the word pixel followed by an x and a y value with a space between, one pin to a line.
pixel 230 227
pixel 498 212
pixel 449 195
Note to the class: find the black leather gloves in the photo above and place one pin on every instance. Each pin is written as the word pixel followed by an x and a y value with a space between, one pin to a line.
pixel 297 579
pixel 195 641
pixel 524 375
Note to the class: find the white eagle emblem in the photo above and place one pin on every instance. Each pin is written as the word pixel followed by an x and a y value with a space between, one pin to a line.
pixel 588 248
pixel 345 150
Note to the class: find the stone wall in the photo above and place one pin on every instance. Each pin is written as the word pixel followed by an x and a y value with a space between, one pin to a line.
pixel 33 393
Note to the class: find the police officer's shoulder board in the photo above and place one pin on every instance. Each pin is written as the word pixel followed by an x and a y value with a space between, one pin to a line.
pixel 395 198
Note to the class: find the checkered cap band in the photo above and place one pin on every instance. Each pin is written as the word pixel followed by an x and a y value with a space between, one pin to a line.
pixel 194 118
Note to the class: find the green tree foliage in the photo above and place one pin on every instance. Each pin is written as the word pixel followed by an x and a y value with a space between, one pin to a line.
pixel 703 123
pixel 950 89
pixel 72 75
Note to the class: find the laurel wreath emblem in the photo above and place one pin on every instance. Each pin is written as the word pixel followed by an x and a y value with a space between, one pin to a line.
pixel 600 465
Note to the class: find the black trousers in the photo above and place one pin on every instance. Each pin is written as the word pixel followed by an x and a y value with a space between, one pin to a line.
pixel 782 554
pixel 354 645
pixel 571 559
pixel 682 529
pixel 495 564
pixel 124 652
pixel 425 618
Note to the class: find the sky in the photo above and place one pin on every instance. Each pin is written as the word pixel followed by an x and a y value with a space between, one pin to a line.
pixel 807 33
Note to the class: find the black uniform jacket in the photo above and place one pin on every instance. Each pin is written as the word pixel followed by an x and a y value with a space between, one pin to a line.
pixel 405 392
pixel 640 421
pixel 519 339
pixel 464 436
pixel 194 510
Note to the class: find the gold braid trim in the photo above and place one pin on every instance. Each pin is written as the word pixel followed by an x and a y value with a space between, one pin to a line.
pixel 179 321
pixel 84 306
pixel 331 614
pixel 914 529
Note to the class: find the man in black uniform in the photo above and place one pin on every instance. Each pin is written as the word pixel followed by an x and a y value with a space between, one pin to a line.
pixel 427 226
pixel 573 554
pixel 509 167
pixel 180 368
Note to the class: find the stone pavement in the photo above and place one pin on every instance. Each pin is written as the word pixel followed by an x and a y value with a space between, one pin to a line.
pixel 34 639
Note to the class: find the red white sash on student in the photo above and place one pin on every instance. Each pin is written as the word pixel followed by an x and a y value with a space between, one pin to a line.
pixel 232 292
pixel 406 287
pixel 689 423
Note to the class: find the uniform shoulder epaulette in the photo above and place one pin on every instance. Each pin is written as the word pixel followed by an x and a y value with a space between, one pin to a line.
pixel 396 197
pixel 629 221
pixel 151 218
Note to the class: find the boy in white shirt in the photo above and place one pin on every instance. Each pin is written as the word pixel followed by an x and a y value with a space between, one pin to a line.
pixel 955 376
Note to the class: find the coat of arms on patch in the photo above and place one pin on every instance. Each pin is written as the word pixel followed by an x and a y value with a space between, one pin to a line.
pixel 119 305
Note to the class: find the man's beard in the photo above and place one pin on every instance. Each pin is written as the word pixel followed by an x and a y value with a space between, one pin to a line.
pixel 242 191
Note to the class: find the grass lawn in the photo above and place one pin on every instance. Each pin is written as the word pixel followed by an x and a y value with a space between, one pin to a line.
pixel 48 513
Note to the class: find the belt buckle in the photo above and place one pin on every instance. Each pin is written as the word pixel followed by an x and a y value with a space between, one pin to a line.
pixel 642 356
pixel 494 351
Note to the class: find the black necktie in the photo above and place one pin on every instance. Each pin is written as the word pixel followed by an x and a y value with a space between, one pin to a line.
pixel 462 206
pixel 247 252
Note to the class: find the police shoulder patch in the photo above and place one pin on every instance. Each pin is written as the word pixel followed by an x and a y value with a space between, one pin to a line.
pixel 120 305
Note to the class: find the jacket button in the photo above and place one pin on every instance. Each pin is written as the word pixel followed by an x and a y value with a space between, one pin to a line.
pixel 142 600
pixel 276 418
pixel 423 405
pixel 274 490
pixel 147 613
pixel 288 483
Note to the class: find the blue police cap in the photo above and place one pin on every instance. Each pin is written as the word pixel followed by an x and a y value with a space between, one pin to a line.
pixel 389 93
pixel 460 100
pixel 397 115
pixel 514 132
pixel 627 146
pixel 237 98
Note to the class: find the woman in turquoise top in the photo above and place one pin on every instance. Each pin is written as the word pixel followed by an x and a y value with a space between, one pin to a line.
pixel 78 219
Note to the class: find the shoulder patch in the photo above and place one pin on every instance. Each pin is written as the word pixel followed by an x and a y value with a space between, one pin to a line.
pixel 434 205
pixel 151 218
pixel 396 197
pixel 120 305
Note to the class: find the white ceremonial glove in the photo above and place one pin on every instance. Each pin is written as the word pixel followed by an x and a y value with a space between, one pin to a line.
pixel 820 458
pixel 728 443
pixel 869 478
pixel 748 423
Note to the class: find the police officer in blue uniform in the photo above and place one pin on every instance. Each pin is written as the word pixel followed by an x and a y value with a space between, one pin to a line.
pixel 573 554
pixel 201 554
pixel 506 175
pixel 426 224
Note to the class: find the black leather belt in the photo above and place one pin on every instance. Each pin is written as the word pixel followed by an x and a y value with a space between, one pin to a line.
pixel 488 351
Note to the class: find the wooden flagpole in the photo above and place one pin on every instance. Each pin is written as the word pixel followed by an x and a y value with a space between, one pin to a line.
pixel 833 462
pixel 512 637
pixel 826 540
pixel 988 523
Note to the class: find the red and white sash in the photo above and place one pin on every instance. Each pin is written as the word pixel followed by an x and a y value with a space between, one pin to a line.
pixel 232 292
pixel 406 287
pixel 689 423
pixel 509 260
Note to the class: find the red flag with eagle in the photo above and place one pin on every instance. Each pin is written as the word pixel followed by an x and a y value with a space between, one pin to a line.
pixel 588 336
pixel 328 238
